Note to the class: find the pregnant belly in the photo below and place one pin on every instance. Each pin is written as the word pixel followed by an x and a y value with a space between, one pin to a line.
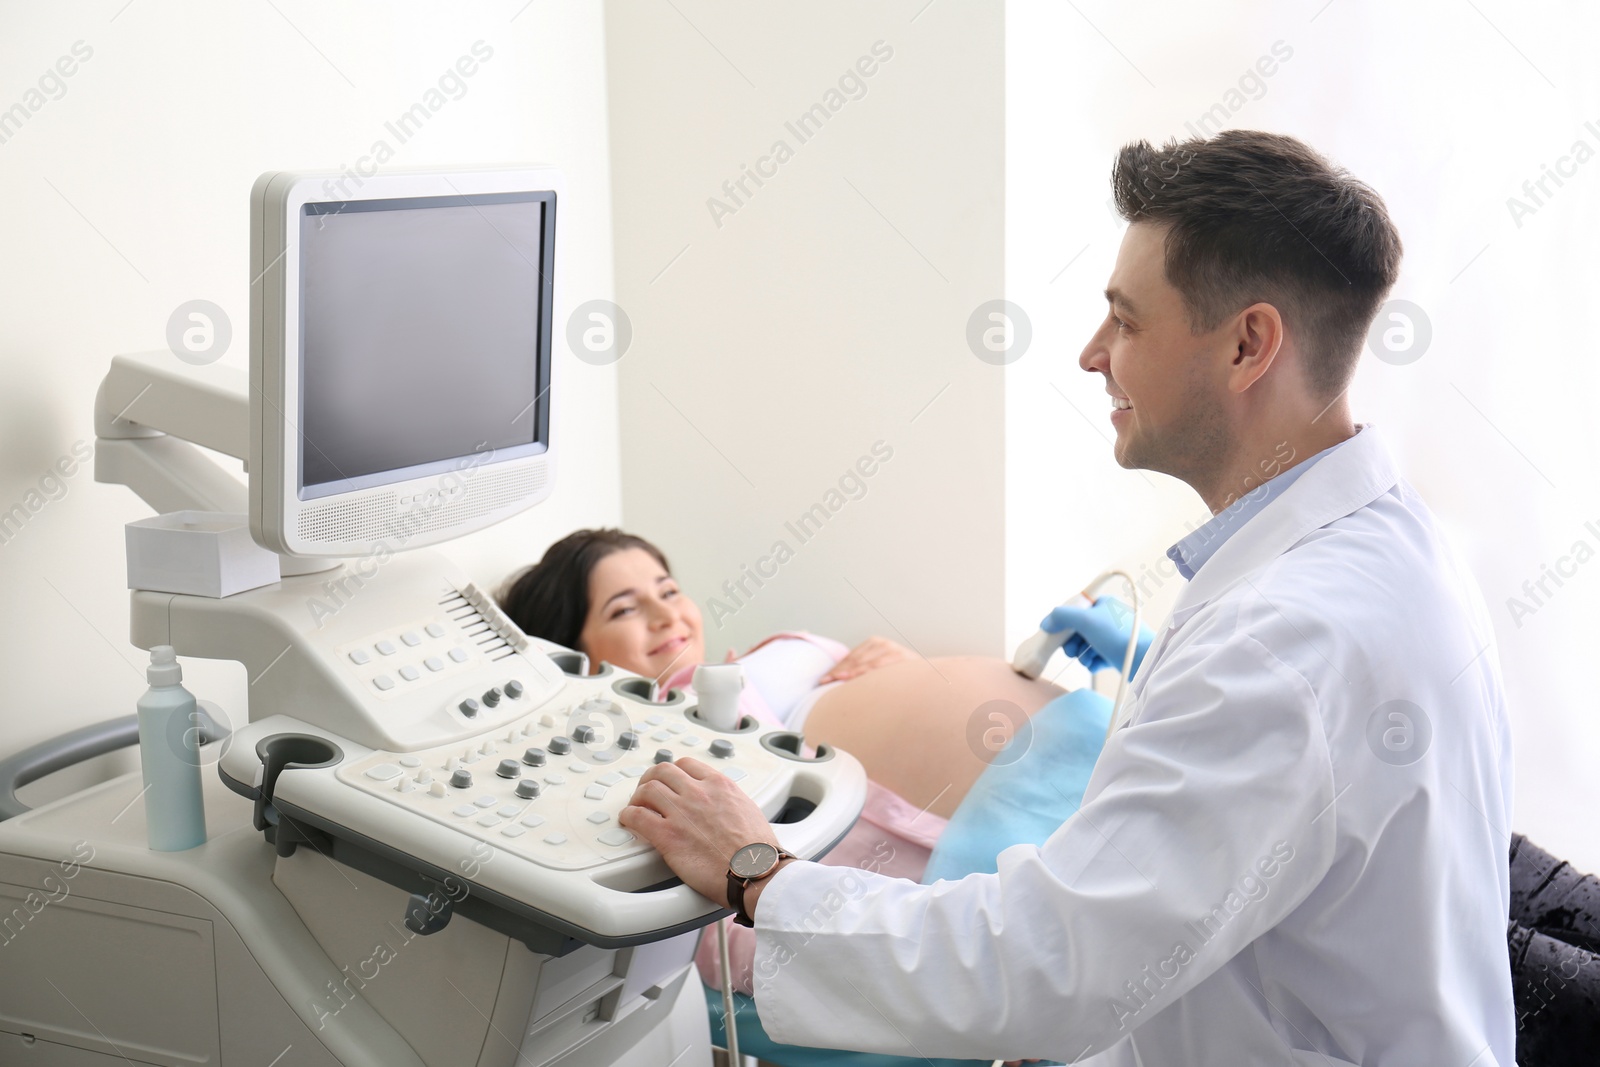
pixel 927 728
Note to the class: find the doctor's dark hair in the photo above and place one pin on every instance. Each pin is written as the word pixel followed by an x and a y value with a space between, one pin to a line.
pixel 1255 216
pixel 550 599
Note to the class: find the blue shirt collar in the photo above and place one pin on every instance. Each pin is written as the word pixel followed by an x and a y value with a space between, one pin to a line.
pixel 1191 553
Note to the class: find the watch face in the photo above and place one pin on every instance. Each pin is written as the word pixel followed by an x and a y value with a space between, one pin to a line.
pixel 753 861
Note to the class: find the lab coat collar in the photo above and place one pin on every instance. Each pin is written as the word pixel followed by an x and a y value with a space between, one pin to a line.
pixel 1344 481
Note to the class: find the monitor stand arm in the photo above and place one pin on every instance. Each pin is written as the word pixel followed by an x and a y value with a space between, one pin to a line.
pixel 148 419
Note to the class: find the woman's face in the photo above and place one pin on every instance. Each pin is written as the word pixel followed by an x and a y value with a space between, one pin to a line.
pixel 638 619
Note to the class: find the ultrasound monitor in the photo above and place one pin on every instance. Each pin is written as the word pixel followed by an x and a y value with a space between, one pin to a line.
pixel 401 355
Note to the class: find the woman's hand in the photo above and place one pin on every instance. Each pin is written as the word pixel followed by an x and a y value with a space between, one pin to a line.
pixel 869 655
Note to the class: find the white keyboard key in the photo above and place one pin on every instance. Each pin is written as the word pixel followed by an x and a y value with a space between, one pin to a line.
pixel 383 772
pixel 555 839
pixel 598 817
pixel 615 838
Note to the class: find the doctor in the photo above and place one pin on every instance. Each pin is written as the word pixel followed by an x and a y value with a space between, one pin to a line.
pixel 1294 851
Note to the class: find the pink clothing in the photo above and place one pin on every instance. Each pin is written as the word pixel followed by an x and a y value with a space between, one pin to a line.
pixel 892 836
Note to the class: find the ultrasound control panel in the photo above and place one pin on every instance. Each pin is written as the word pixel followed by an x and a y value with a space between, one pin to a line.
pixel 549 787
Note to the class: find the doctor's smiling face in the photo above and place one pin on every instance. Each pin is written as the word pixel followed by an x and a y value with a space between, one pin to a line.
pixel 638 618
pixel 1161 377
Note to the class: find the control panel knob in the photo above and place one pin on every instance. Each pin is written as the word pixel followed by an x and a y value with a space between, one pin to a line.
pixel 627 739
pixel 514 689
pixel 663 755
pixel 469 707
pixel 560 746
pixel 461 779
pixel 534 757
pixel 509 768
pixel 722 748
pixel 583 734
pixel 491 697
pixel 527 789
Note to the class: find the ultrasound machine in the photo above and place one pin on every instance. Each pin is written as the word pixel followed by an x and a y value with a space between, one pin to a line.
pixel 412 854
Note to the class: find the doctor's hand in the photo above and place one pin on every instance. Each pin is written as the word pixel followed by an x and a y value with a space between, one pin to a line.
pixel 869 655
pixel 697 818
pixel 1099 634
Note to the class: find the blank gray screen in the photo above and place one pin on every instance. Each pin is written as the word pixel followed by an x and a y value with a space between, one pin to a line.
pixel 420 334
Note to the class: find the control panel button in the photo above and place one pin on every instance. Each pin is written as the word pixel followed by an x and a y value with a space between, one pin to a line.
pixel 459 655
pixel 485 801
pixel 465 810
pixel 559 745
pixel 595 792
pixel 632 772
pixel 721 747
pixel 488 818
pixel 433 663
pixel 605 756
pixel 584 735
pixel 412 638
pixel 424 776
pixel 531 820
pixel 660 735
pixel 527 789
pixel 615 838
pixel 514 689
pixel 434 629
pixel 405 785
pixel 663 755
pixel 609 778
pixel 359 656
pixel 627 739
pixel 383 772
pixel 555 779
pixel 735 773
pixel 509 768
pixel 461 779
pixel 410 761
pixel 599 817
pixel 385 647
pixel 436 789
pixel 512 831
pixel 534 757
pixel 469 707
pixel 676 727
pixel 689 739
pixel 653 720
pixel 410 673
pixel 555 839
pixel 577 766
pixel 491 697
pixel 383 682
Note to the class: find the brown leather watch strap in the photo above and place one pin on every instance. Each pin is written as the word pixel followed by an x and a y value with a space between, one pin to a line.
pixel 737 886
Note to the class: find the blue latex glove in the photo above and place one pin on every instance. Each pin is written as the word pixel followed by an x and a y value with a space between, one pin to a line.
pixel 1099 634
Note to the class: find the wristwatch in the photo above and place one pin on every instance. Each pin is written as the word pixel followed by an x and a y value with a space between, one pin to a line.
pixel 749 865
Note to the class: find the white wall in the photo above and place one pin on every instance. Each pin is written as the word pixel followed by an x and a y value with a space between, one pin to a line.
pixel 1446 110
pixel 129 195
pixel 778 337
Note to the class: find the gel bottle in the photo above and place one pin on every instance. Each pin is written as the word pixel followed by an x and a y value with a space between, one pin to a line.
pixel 175 815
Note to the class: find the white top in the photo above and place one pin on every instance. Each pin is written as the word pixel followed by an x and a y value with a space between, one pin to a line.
pixel 1295 851
pixel 785 672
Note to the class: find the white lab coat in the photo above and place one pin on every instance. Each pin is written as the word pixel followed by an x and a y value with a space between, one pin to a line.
pixel 1257 874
